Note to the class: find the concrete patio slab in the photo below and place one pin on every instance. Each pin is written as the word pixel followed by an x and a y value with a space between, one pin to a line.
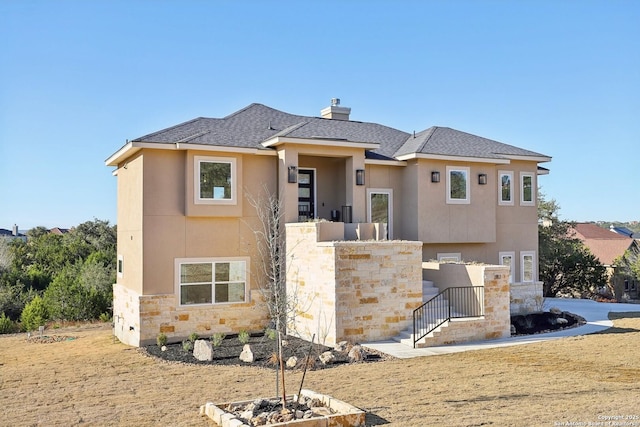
pixel 595 313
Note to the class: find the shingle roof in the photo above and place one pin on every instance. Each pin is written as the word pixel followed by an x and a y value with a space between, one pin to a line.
pixel 603 244
pixel 257 123
pixel 450 142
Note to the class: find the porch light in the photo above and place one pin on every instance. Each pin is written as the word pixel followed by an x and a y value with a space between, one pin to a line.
pixel 293 174
pixel 359 176
pixel 435 176
pixel 482 178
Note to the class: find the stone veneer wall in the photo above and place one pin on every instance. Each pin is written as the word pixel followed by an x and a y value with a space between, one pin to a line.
pixel 138 319
pixel 350 290
pixel 526 298
pixel 496 322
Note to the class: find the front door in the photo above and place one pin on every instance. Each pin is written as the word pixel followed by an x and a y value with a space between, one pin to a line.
pixel 306 194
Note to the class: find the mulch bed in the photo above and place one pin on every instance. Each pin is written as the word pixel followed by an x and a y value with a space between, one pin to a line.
pixel 537 323
pixel 264 353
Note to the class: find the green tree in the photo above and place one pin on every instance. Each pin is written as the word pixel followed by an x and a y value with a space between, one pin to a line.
pixel 567 268
pixel 34 315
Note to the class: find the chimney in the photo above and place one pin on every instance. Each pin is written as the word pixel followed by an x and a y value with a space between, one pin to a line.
pixel 15 229
pixel 335 111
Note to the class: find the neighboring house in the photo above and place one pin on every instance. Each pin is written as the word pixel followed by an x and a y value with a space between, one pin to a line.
pixel 607 246
pixel 186 251
pixel 58 230
pixel 625 232
pixel 14 233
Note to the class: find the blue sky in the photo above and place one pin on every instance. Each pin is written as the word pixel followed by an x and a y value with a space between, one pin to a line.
pixel 78 78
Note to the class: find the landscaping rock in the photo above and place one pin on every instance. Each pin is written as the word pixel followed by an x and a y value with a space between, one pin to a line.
pixel 327 358
pixel 562 321
pixel 341 346
pixel 292 362
pixel 203 351
pixel 555 310
pixel 247 354
pixel 357 353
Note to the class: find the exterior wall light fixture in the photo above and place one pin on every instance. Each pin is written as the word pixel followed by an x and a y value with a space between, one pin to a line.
pixel 292 175
pixel 359 176
pixel 435 176
pixel 482 179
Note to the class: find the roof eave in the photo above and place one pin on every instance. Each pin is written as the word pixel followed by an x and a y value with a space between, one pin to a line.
pixel 496 161
pixel 327 142
pixel 537 158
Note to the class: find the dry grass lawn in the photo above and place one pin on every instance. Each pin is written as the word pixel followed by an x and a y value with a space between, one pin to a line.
pixel 95 381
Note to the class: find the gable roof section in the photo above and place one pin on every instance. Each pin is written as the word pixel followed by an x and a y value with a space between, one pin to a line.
pixel 446 142
pixel 256 124
pixel 603 244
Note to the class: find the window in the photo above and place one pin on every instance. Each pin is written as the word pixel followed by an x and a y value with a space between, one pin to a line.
pixel 505 189
pixel 506 258
pixel 380 208
pixel 212 281
pixel 120 265
pixel 457 185
pixel 215 180
pixel 527 268
pixel 527 189
pixel 449 257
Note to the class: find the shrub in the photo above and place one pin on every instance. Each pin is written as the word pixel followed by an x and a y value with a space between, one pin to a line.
pixel 7 326
pixel 35 314
pixel 105 317
pixel 270 333
pixel 243 337
pixel 187 345
pixel 216 339
pixel 193 337
pixel 161 339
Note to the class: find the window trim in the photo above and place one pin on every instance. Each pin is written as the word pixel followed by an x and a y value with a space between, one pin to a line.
pixel 500 200
pixel 454 257
pixel 512 267
pixel 467 199
pixel 180 261
pixel 389 192
pixel 524 254
pixel 531 202
pixel 197 160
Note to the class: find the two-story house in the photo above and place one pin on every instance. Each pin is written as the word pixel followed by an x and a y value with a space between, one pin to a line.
pixel 186 251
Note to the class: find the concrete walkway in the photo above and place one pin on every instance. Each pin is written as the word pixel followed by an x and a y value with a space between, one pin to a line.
pixel 595 313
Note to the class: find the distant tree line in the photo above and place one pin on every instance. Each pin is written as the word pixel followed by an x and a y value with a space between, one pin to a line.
pixel 57 277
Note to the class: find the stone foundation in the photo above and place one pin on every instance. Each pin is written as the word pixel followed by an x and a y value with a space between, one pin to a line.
pixel 138 319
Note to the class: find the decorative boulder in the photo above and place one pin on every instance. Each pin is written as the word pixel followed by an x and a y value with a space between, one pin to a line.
pixel 357 353
pixel 341 346
pixel 327 357
pixel 555 310
pixel 292 362
pixel 203 351
pixel 247 354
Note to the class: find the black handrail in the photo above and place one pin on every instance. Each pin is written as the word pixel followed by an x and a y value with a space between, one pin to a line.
pixel 451 303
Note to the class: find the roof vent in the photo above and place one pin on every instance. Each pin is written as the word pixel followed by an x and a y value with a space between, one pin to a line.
pixel 335 111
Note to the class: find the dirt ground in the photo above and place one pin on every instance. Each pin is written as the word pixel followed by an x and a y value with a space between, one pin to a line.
pixel 95 380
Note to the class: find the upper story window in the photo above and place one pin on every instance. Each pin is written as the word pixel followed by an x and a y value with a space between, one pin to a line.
pixel 212 281
pixel 505 190
pixel 458 185
pixel 527 189
pixel 215 180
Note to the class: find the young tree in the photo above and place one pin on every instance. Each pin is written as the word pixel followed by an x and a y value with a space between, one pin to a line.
pixel 270 243
pixel 566 266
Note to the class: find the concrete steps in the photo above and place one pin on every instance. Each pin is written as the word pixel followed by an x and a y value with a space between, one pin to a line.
pixel 437 314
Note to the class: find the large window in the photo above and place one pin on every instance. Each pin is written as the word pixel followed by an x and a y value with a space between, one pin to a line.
pixel 215 180
pixel 212 281
pixel 458 185
pixel 528 266
pixel 506 258
pixel 527 189
pixel 451 257
pixel 505 189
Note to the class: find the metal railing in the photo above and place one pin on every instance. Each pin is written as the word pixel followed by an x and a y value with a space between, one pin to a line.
pixel 451 303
